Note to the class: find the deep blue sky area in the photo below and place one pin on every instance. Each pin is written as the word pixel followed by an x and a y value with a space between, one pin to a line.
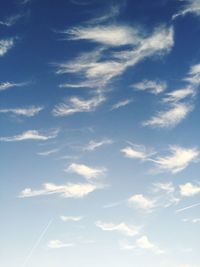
pixel 99 133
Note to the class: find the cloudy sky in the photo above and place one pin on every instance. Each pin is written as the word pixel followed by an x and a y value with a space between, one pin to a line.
pixel 99 136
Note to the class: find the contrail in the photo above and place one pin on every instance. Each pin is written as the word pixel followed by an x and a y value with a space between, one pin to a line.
pixel 189 207
pixel 37 243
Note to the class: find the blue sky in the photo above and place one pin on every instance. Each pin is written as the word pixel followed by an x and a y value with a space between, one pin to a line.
pixel 99 137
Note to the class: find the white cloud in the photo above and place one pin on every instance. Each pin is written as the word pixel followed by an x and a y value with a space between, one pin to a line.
pixel 6 45
pixel 178 160
pixel 171 117
pixel 113 12
pixel 75 105
pixel 56 244
pixel 121 104
pixel 97 72
pixel 8 85
pixel 155 87
pixel 10 21
pixel 128 230
pixel 141 202
pixel 189 189
pixel 111 35
pixel 180 94
pixel 194 75
pixel 166 187
pixel 48 152
pixel 93 145
pixel 86 171
pixel 27 112
pixel 69 190
pixel 30 135
pixel 188 207
pixel 190 6
pixel 144 243
pixel 137 152
pixel 71 218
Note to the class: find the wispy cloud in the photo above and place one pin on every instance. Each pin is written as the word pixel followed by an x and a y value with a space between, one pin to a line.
pixel 188 207
pixel 30 135
pixel 93 144
pixel 27 112
pixel 48 152
pixel 11 20
pixel 155 87
pixel 177 95
pixel 189 189
pixel 5 46
pixel 190 6
pixel 96 71
pixel 8 85
pixel 178 160
pixel 141 202
pixel 144 243
pixel 137 152
pixel 171 117
pixel 121 104
pixel 112 12
pixel 128 230
pixel 176 110
pixel 166 187
pixel 111 35
pixel 69 190
pixel 76 105
pixel 194 75
pixel 56 244
pixel 86 171
pixel 71 218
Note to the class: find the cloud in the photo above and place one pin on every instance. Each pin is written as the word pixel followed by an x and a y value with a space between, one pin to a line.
pixel 71 218
pixel 122 228
pixel 24 2
pixel 176 110
pixel 113 12
pixel 178 160
pixel 10 21
pixel 30 135
pixel 99 67
pixel 195 220
pixel 155 87
pixel 48 152
pixel 8 85
pixel 86 171
pixel 27 112
pixel 177 95
pixel 144 243
pixel 5 46
pixel 166 187
pixel 141 202
pixel 69 190
pixel 171 117
pixel 110 35
pixel 137 152
pixel 194 75
pixel 75 105
pixel 190 6
pixel 56 244
pixel 121 104
pixel 93 145
pixel 189 189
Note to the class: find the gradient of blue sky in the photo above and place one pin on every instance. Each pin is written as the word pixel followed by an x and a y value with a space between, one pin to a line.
pixel 99 136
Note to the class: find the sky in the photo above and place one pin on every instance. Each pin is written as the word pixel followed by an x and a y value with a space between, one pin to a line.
pixel 99 135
